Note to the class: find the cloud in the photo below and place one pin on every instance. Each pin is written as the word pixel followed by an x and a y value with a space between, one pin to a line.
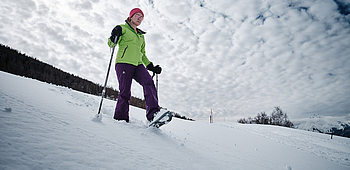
pixel 235 57
pixel 81 5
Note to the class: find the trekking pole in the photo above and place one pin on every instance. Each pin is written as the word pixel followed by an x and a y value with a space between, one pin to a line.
pixel 154 74
pixel 157 87
pixel 99 116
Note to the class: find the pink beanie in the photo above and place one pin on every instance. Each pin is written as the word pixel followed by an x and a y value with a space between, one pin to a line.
pixel 134 11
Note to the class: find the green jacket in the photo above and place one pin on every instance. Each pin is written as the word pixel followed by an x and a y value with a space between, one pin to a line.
pixel 131 46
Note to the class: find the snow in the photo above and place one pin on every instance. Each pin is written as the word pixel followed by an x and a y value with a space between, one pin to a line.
pixel 43 126
pixel 323 123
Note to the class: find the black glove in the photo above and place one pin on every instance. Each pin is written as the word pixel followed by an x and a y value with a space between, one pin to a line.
pixel 117 31
pixel 155 69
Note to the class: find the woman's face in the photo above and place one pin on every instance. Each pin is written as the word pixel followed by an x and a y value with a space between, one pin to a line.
pixel 136 19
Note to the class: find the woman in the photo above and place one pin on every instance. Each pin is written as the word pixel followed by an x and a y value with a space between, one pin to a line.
pixel 130 64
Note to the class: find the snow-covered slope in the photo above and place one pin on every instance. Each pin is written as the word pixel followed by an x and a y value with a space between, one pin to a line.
pixel 51 127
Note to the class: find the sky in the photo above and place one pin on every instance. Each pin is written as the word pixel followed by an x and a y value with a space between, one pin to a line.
pixel 236 57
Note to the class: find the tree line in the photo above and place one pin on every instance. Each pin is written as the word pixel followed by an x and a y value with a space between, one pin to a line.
pixel 182 117
pixel 278 118
pixel 12 61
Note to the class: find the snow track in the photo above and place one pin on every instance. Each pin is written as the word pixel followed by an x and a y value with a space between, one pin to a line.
pixel 317 144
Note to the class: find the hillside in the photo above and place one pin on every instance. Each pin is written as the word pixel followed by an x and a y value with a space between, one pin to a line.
pixel 14 62
pixel 325 124
pixel 44 126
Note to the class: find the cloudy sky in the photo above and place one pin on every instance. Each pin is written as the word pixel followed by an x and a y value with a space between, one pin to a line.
pixel 237 57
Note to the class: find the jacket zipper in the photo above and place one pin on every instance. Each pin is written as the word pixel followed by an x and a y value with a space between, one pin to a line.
pixel 124 51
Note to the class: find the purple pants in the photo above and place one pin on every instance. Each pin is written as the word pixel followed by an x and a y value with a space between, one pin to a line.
pixel 125 73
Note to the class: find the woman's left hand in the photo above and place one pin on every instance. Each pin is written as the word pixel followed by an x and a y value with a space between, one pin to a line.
pixel 155 69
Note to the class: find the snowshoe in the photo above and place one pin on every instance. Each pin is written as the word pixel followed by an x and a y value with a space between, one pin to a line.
pixel 161 118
